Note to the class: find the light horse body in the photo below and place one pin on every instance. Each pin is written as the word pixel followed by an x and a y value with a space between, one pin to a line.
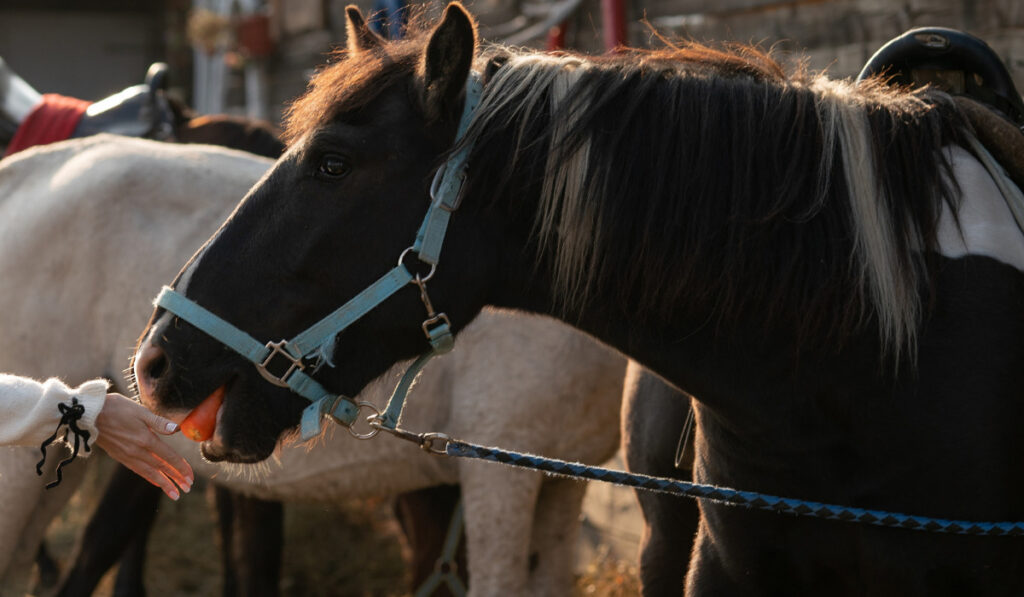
pixel 105 218
pixel 79 223
pixel 822 265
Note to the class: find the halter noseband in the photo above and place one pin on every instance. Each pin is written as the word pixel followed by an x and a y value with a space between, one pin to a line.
pixel 446 195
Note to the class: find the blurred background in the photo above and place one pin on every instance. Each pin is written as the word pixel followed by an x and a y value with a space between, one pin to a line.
pixel 252 56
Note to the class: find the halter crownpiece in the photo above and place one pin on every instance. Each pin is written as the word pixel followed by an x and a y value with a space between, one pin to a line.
pixel 445 194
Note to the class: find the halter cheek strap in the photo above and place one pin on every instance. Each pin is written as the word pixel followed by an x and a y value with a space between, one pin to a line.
pixel 446 189
pixel 446 194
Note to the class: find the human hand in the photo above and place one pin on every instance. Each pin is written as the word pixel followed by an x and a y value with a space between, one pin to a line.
pixel 128 433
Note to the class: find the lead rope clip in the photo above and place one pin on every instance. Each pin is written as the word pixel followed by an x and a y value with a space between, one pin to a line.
pixel 433 442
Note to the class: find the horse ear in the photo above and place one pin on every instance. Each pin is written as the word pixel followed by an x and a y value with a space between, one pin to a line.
pixel 360 37
pixel 447 60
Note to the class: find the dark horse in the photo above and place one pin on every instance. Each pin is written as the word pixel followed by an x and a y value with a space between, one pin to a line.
pixel 657 421
pixel 822 265
pixel 654 415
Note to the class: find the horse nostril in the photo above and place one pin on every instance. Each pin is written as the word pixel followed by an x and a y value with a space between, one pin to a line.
pixel 150 364
pixel 157 366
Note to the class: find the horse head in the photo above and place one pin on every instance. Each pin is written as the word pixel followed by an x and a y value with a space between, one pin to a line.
pixel 334 213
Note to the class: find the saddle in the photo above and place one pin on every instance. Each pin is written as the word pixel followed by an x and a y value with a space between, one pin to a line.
pixel 969 70
pixel 1004 140
pixel 138 111
pixel 28 118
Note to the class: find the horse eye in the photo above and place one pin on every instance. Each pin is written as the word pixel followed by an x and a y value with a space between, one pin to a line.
pixel 333 165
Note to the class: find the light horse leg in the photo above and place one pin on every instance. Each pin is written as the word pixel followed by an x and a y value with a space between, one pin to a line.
pixel 499 505
pixel 501 502
pixel 556 528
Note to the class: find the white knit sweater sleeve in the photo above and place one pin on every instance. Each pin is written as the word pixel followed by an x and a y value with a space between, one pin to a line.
pixel 29 413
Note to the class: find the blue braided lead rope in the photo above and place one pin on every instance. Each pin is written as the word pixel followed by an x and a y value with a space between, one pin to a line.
pixel 734 497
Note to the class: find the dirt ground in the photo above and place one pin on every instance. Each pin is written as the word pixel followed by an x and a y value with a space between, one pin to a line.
pixel 352 549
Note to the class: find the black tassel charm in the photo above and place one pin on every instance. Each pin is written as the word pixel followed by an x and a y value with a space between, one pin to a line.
pixel 70 416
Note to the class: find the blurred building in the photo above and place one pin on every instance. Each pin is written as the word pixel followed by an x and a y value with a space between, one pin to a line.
pixel 90 48
pixel 839 34
pixel 253 56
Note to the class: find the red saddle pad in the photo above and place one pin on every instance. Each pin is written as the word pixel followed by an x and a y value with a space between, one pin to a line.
pixel 51 120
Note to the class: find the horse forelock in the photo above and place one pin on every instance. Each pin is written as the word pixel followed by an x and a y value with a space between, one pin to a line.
pixel 350 81
pixel 701 177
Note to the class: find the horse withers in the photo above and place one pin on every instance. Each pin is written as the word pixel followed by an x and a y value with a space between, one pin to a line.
pixel 822 264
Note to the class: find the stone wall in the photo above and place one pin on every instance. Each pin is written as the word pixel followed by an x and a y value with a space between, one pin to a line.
pixel 837 35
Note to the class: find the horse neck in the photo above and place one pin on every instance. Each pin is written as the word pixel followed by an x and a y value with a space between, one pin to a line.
pixel 691 202
pixel 641 302
pixel 650 343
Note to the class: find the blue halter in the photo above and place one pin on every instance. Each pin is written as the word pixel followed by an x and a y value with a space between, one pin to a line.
pixel 445 194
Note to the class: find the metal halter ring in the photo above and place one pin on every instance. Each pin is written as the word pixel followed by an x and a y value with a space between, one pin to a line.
pixel 374 430
pixel 430 274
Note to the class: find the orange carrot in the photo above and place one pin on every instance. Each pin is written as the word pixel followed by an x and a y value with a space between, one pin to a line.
pixel 199 425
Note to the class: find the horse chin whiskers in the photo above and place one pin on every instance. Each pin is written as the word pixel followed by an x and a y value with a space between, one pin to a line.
pixel 275 456
pixel 223 455
pixel 251 472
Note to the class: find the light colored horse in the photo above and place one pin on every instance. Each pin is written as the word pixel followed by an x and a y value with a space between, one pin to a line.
pixel 90 228
pixel 78 221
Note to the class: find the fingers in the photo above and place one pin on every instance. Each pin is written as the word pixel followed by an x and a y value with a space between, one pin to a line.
pixel 142 458
pixel 155 477
pixel 160 473
pixel 152 420
pixel 160 424
pixel 128 432
pixel 171 463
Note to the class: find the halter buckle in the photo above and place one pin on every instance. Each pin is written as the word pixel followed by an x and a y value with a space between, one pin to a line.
pixel 294 364
pixel 451 201
pixel 436 321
